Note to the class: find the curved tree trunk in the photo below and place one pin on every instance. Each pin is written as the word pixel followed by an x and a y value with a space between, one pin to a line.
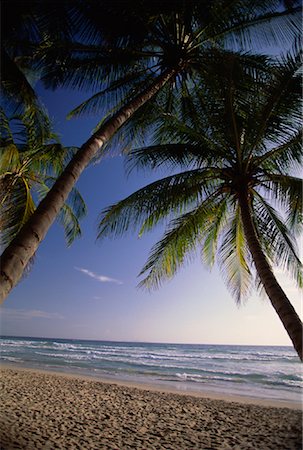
pixel 16 256
pixel 277 296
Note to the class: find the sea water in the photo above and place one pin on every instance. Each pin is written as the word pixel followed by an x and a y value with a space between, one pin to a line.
pixel 267 372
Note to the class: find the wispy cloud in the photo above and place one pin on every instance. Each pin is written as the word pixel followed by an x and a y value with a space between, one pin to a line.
pixel 101 278
pixel 23 314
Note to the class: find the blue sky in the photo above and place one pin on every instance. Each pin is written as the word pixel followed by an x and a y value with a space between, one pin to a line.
pixel 90 290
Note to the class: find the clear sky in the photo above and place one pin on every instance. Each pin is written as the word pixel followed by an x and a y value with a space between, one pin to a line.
pixel 89 290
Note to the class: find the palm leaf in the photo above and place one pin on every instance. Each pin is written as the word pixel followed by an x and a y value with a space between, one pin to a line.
pixel 257 28
pixel 71 213
pixel 177 246
pixel 151 204
pixel 17 206
pixel 171 156
pixel 9 159
pixel 111 95
pixel 280 245
pixel 212 232
pixel 289 152
pixel 70 224
pixel 233 256
pixel 288 192
pixel 282 100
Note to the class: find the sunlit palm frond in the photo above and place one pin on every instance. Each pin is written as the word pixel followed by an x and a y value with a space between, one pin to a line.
pixel 51 158
pixel 17 206
pixel 9 159
pixel 30 159
pixel 213 230
pixel 233 255
pixel 178 245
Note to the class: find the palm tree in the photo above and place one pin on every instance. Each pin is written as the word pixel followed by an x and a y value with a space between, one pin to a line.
pixel 231 163
pixel 170 51
pixel 31 159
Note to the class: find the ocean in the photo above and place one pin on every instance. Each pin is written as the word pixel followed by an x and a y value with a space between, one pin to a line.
pixel 266 372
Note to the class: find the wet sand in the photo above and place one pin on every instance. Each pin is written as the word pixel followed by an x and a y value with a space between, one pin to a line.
pixel 42 410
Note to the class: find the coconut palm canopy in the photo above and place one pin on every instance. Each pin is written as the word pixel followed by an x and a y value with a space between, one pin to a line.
pixel 118 53
pixel 122 52
pixel 153 46
pixel 231 163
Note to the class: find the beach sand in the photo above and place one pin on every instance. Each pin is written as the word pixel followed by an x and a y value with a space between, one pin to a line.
pixel 42 410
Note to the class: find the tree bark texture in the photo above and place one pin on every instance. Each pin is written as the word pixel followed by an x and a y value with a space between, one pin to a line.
pixel 18 253
pixel 277 296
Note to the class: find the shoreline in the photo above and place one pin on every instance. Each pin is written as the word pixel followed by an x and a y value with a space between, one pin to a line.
pixel 44 410
pixel 167 389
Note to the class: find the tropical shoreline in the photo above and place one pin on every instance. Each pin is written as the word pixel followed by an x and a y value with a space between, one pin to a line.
pixel 49 410
pixel 207 392
pixel 271 374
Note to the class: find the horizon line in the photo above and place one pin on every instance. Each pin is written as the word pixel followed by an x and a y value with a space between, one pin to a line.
pixel 143 342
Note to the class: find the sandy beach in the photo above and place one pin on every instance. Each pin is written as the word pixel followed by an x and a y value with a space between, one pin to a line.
pixel 42 410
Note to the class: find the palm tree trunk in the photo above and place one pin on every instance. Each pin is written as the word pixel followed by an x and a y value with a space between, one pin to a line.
pixel 17 255
pixel 277 296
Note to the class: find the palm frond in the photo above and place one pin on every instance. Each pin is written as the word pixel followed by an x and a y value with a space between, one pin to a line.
pixel 15 85
pixel 118 89
pixel 178 245
pixel 19 96
pixel 279 243
pixel 280 116
pixel 234 258
pixel 71 213
pixel 17 205
pixel 84 67
pixel 171 156
pixel 153 203
pixel 9 159
pixel 70 224
pixel 6 134
pixel 287 191
pixel 283 156
pixel 244 28
pixel 30 160
pixel 212 232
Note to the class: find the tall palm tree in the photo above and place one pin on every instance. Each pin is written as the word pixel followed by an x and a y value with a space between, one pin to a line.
pixel 133 55
pixel 231 163
pixel 31 159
